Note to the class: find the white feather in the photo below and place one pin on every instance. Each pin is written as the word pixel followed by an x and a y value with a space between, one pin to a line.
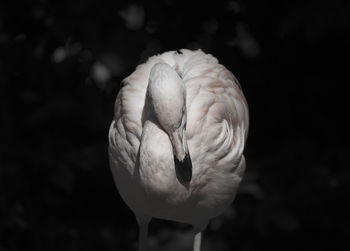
pixel 216 131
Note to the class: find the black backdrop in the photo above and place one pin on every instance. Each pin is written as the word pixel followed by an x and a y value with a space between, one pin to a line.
pixel 61 63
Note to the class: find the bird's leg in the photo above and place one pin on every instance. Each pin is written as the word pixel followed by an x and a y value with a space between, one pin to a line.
pixel 143 231
pixel 143 222
pixel 197 241
pixel 198 229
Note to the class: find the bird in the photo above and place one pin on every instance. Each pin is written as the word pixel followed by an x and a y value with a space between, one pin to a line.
pixel 176 140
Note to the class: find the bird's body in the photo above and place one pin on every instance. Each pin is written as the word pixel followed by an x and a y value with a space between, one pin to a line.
pixel 179 107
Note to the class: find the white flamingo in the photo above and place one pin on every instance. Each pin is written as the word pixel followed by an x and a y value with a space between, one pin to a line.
pixel 177 138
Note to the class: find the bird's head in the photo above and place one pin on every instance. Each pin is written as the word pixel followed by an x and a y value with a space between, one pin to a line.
pixel 167 95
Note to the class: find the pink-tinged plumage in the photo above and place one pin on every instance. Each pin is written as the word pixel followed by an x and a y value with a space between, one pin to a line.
pixel 216 131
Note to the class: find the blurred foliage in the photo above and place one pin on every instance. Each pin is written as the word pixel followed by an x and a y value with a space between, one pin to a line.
pixel 61 63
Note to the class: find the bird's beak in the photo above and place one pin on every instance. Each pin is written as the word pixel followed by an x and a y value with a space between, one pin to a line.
pixel 183 169
pixel 182 159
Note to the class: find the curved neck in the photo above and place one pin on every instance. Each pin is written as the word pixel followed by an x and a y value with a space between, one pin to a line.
pixel 166 102
pixel 155 149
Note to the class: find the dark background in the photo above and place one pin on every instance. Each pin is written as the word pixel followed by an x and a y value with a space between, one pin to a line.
pixel 61 63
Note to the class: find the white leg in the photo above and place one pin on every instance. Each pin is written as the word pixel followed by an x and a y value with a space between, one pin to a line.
pixel 198 229
pixel 143 231
pixel 197 241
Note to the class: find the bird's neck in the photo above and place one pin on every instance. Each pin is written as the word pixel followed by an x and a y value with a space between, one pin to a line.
pixel 156 153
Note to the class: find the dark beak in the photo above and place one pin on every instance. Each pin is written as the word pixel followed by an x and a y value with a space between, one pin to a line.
pixel 183 169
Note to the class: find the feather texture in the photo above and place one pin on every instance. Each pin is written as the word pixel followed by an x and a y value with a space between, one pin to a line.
pixel 216 132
